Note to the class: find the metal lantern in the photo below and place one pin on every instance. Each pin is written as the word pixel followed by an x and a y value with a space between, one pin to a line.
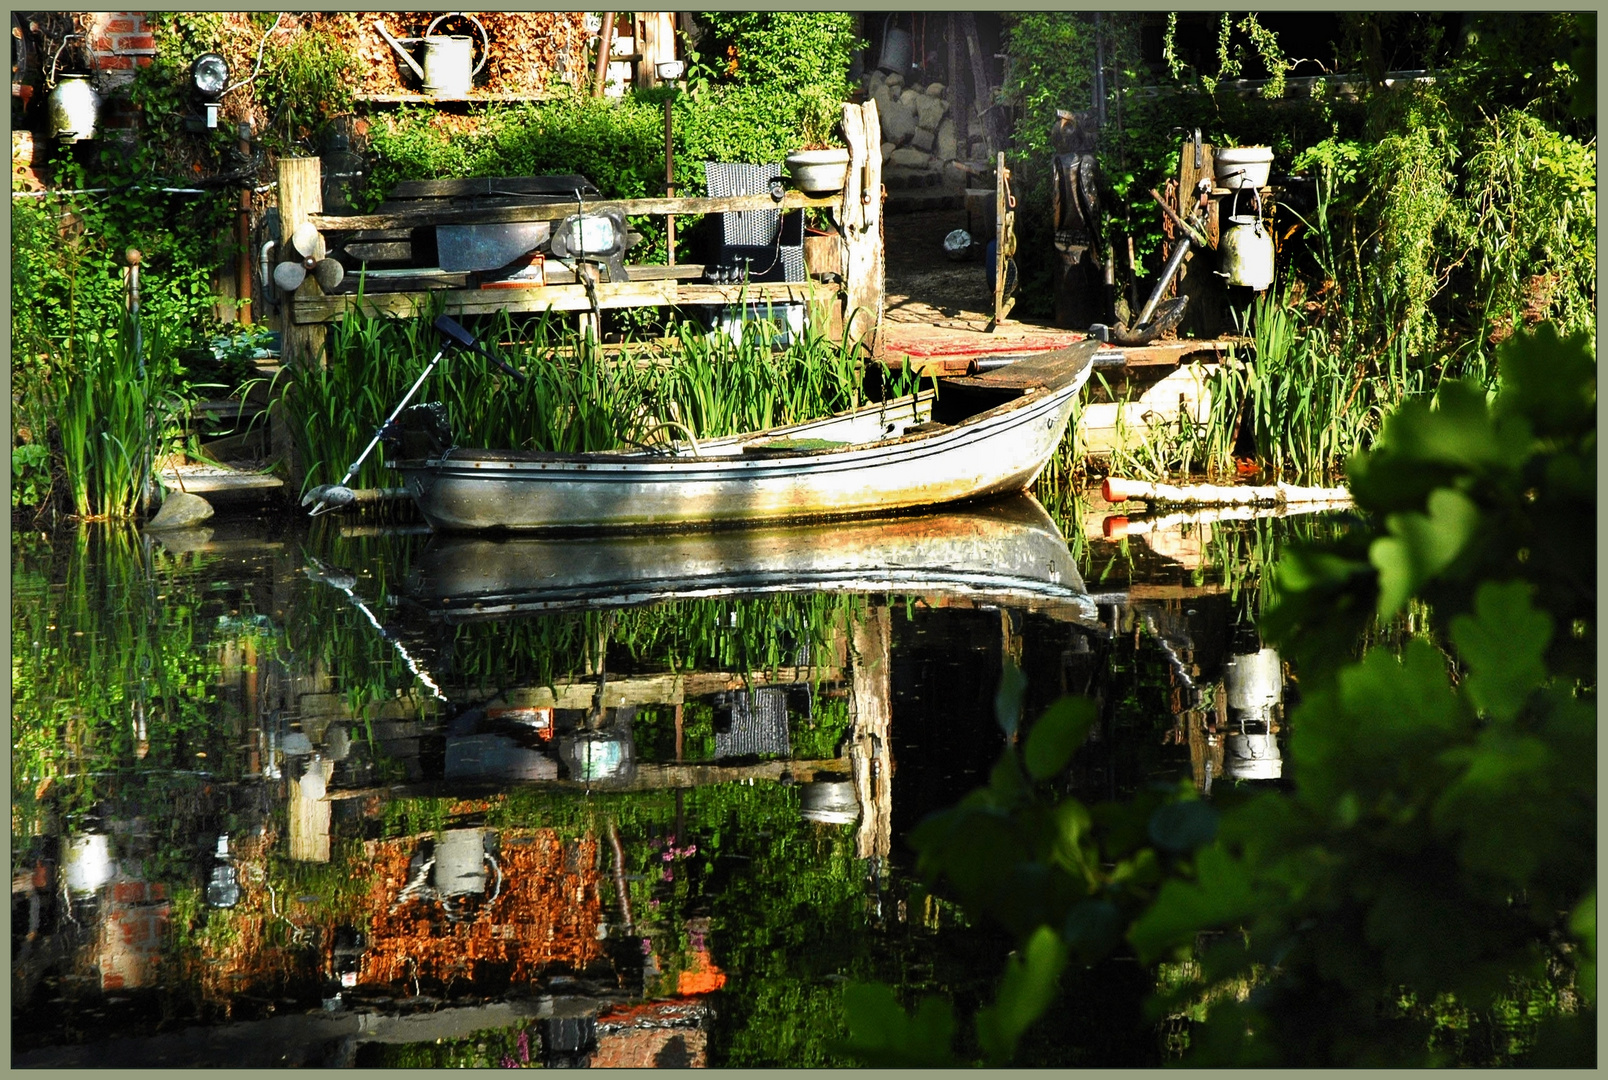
pixel 74 109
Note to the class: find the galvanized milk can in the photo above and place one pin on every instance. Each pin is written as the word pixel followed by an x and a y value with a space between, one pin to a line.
pixel 1247 246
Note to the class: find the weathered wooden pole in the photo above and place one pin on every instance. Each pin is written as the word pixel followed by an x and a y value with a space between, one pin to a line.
pixel 864 267
pixel 301 345
pixel 301 195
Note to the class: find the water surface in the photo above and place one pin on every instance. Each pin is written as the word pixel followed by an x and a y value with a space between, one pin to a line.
pixel 352 795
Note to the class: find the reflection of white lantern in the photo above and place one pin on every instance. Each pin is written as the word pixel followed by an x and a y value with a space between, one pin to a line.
pixel 1255 682
pixel 88 863
pixel 600 757
pixel 829 801
pixel 1252 755
pixel 460 862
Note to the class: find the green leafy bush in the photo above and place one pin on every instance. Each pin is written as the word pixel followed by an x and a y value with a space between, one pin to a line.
pixel 1433 864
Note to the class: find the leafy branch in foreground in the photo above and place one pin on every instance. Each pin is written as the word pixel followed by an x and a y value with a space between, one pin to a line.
pixel 1435 860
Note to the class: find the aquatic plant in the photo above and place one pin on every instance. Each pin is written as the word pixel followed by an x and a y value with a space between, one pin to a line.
pixel 576 395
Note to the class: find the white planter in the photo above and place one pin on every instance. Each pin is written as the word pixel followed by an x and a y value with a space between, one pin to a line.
pixel 1243 166
pixel 818 171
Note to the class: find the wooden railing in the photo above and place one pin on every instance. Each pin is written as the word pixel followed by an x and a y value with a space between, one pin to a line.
pixel 857 299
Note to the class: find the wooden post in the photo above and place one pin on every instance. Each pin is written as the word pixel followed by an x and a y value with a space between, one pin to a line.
pixel 864 268
pixel 301 194
pixel 1004 239
pixel 605 45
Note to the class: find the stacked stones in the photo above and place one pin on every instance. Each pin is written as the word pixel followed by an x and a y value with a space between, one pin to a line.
pixel 917 130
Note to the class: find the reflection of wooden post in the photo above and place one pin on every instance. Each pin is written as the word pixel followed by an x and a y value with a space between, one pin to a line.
pixel 861 224
pixel 309 813
pixel 870 754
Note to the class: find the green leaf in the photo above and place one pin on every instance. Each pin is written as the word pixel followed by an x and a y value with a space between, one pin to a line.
pixel 1008 699
pixel 1420 546
pixel 882 1034
pixel 1057 735
pixel 1093 929
pixel 1548 380
pixel 1181 827
pixel 1503 643
pixel 1221 896
pixel 1583 925
pixel 1024 993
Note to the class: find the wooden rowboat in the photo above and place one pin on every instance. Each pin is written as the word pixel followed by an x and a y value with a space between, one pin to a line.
pixel 977 436
pixel 1006 552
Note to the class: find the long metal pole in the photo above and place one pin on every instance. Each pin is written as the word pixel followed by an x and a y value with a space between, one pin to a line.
pixel 670 175
pixel 605 45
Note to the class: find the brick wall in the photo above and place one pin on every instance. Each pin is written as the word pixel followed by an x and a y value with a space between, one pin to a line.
pixel 120 42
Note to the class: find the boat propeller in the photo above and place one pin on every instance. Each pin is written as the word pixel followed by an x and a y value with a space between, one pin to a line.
pixel 329 497
pixel 308 256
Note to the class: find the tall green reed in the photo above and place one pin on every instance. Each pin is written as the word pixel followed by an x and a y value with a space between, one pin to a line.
pixel 576 396
pixel 118 410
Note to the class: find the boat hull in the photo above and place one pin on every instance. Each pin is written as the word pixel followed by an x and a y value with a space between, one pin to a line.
pixel 995 452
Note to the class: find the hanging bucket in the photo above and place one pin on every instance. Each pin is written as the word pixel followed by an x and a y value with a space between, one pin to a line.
pixel 895 48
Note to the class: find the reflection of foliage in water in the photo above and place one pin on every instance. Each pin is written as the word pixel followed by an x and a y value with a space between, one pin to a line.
pixel 115 669
pixel 740 635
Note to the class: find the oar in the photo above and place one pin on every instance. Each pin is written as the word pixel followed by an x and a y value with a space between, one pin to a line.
pixel 335 496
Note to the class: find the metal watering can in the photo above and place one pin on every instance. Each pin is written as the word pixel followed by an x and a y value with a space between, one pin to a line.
pixel 1247 246
pixel 448 70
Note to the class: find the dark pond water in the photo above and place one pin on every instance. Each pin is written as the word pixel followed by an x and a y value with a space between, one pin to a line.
pixel 353 795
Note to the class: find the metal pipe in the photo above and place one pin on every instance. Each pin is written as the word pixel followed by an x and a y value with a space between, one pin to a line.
pixel 243 275
pixel 605 45
pixel 670 175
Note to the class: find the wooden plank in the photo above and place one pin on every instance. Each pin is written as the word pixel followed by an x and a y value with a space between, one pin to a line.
pixel 431 99
pixel 792 200
pixel 666 689
pixel 628 294
pixel 555 184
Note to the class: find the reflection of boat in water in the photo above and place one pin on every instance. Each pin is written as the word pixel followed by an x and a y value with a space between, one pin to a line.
pixel 1007 552
pixel 990 434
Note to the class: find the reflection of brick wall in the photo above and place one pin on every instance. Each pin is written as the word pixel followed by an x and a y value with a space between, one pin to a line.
pixel 546 913
pixel 131 934
pixel 653 1035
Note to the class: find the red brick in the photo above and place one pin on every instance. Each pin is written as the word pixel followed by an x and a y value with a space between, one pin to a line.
pixel 111 982
pixel 129 892
pixel 119 26
pixel 144 61
pixel 124 42
pixel 102 43
pixel 109 63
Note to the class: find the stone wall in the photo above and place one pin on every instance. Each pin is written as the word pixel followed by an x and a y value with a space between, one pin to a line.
pixel 925 146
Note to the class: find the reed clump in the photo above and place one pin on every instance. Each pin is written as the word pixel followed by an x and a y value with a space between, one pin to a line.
pixel 577 395
pixel 117 411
